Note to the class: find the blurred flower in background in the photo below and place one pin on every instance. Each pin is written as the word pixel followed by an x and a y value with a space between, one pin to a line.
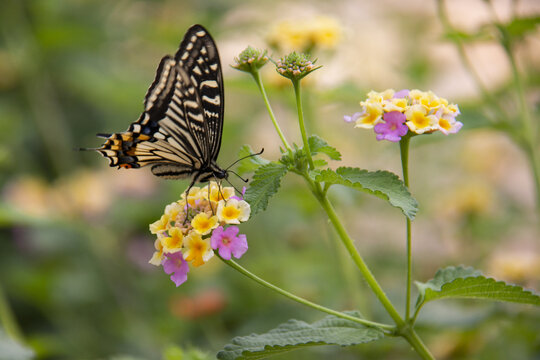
pixel 305 35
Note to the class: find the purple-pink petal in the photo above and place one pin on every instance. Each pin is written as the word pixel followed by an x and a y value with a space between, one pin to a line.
pixel 176 265
pixel 393 127
pixel 401 94
pixel 228 242
pixel 239 246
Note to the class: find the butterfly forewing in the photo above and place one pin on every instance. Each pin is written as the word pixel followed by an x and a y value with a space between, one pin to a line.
pixel 179 132
pixel 198 54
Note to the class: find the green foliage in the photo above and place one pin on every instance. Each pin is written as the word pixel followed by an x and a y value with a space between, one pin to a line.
pixel 520 27
pixel 251 163
pixel 12 350
pixel 265 184
pixel 382 184
pixel 318 145
pixel 296 334
pixel 462 282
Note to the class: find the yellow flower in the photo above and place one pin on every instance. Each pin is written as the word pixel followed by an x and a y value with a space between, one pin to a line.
pixel 399 104
pixel 371 116
pixel 220 193
pixel 203 223
pixel 198 249
pixel 419 120
pixel 161 225
pixel 173 243
pixel 233 211
pixel 173 209
pixel 192 196
pixel 303 35
pixel 157 257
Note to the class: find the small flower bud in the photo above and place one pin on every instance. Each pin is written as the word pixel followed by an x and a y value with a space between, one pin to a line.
pixel 295 66
pixel 250 60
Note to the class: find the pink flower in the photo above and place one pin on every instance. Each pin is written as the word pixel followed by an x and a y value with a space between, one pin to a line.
pixel 228 241
pixel 401 94
pixel 393 127
pixel 176 265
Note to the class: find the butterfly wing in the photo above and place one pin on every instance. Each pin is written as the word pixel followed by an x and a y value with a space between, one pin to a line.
pixel 179 132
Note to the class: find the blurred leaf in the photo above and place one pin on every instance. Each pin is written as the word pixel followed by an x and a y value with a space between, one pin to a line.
pixel 177 353
pixel 12 350
pixel 296 334
pixel 383 184
pixel 468 283
pixel 318 145
pixel 266 182
pixel 251 163
pixel 519 27
pixel 483 34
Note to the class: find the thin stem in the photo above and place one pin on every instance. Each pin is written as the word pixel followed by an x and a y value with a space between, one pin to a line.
pixel 7 319
pixel 467 63
pixel 296 84
pixel 529 130
pixel 412 337
pixel 257 77
pixel 357 258
pixel 303 301
pixel 404 150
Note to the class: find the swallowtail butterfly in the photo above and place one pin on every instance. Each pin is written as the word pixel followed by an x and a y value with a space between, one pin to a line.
pixel 179 132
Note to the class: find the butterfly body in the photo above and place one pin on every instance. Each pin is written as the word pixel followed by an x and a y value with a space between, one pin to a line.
pixel 179 132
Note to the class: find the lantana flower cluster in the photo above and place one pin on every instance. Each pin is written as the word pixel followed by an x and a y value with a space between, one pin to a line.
pixel 392 114
pixel 191 229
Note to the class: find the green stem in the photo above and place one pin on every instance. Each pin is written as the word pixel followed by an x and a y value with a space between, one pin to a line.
pixel 303 301
pixel 529 133
pixel 257 77
pixel 7 319
pixel 414 340
pixel 404 150
pixel 448 28
pixel 358 260
pixel 296 84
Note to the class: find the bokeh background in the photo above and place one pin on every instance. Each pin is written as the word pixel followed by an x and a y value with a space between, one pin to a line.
pixel 74 239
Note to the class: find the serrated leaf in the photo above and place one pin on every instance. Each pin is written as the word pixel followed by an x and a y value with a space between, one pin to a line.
pixel 383 184
pixel 251 163
pixel 318 145
pixel 466 282
pixel 295 334
pixel 265 183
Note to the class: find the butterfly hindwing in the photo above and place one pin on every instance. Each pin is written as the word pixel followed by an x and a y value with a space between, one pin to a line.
pixel 179 132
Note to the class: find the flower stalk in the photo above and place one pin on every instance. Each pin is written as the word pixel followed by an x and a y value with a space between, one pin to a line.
pixel 244 271
pixel 404 151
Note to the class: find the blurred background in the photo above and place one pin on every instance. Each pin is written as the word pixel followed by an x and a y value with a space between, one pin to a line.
pixel 74 239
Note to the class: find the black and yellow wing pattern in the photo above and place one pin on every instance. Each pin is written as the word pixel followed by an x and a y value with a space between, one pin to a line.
pixel 179 132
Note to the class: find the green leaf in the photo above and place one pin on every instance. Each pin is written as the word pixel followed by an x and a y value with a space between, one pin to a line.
pixel 265 183
pixel 468 283
pixel 296 334
pixel 318 145
pixel 12 350
pixel 519 27
pixel 251 163
pixel 383 184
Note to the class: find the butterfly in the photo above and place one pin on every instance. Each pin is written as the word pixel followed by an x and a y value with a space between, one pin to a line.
pixel 179 132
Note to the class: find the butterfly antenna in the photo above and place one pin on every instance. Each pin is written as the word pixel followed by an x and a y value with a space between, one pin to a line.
pixel 233 185
pixel 242 158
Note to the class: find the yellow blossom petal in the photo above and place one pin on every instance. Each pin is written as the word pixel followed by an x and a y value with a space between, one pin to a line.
pixel 157 257
pixel 161 225
pixel 198 249
pixel 204 223
pixel 371 116
pixel 173 243
pixel 233 211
